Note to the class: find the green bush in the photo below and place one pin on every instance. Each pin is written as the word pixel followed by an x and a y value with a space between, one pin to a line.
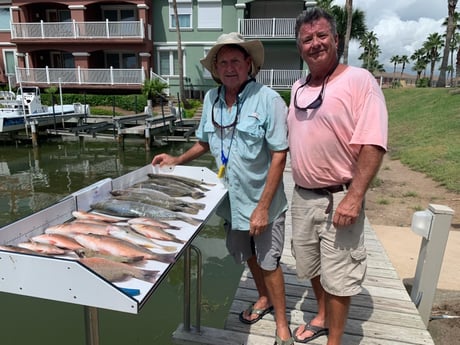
pixel 134 103
pixel 423 82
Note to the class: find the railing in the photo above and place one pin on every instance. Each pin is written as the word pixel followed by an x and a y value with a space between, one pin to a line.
pixel 267 27
pixel 81 76
pixel 279 78
pixel 78 30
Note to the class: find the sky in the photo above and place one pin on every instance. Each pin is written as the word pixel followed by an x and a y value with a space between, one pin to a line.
pixel 401 26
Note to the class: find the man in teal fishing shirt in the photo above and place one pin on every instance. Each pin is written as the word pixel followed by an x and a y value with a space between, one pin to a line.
pixel 244 127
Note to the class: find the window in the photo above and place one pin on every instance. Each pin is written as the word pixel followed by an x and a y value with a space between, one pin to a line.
pixel 58 15
pixel 119 14
pixel 206 73
pixel 184 13
pixel 209 14
pixel 4 19
pixel 9 57
pixel 62 60
pixel 168 62
pixel 121 60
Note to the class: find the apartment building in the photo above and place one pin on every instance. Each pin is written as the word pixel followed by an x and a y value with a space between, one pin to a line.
pixel 116 45
pixel 203 21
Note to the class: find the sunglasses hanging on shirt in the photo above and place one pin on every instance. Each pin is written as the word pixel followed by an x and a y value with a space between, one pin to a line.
pixel 318 100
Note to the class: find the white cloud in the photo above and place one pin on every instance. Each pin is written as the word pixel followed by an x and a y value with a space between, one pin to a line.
pixel 401 26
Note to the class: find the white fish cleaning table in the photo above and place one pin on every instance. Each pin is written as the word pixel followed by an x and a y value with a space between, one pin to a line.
pixel 65 279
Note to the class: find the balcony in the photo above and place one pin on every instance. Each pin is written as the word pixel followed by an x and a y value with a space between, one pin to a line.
pixel 267 27
pixel 78 30
pixel 279 79
pixel 132 78
pixel 80 76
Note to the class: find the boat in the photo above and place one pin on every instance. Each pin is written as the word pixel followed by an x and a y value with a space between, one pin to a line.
pixel 17 111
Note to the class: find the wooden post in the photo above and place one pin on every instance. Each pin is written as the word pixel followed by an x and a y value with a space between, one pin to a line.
pixel 34 134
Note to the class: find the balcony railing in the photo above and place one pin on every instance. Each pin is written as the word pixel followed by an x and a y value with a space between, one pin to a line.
pixel 267 27
pixel 276 79
pixel 80 76
pixel 78 30
pixel 279 78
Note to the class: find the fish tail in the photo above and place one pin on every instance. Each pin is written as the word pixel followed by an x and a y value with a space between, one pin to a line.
pixel 197 195
pixel 191 220
pixel 149 276
pixel 166 258
pixel 189 210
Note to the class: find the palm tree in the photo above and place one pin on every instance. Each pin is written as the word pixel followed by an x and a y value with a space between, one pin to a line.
pixel 451 24
pixel 454 45
pixel 371 52
pixel 403 60
pixel 420 62
pixel 395 60
pixel 432 46
pixel 358 26
pixel 349 10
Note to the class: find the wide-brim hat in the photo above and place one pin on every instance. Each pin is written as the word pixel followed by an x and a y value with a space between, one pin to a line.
pixel 254 48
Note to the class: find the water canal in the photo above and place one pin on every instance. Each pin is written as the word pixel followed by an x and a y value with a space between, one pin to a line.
pixel 32 179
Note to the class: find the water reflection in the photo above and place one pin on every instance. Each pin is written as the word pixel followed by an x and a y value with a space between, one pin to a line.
pixel 32 179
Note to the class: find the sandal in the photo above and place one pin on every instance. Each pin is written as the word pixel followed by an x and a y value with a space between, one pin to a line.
pixel 289 341
pixel 251 310
pixel 315 330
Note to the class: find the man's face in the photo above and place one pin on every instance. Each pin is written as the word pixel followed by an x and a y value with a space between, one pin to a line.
pixel 316 43
pixel 232 66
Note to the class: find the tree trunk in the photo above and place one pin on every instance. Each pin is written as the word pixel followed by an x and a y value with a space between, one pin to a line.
pixel 452 4
pixel 349 8
pixel 180 61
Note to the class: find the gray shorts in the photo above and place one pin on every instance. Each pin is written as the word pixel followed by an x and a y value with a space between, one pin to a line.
pixel 337 255
pixel 267 247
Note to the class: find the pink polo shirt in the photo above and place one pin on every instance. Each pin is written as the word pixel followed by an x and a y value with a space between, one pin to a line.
pixel 324 143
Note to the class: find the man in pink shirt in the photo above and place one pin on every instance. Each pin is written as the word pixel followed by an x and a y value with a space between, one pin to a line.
pixel 338 128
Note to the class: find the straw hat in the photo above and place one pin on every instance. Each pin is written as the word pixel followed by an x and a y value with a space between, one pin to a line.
pixel 254 48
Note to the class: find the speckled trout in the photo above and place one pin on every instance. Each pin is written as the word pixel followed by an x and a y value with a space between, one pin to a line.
pixel 171 204
pixel 125 208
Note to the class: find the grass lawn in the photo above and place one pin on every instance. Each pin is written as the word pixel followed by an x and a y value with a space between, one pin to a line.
pixel 424 131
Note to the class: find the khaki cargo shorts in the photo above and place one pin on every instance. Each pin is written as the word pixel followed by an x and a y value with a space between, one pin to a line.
pixel 337 255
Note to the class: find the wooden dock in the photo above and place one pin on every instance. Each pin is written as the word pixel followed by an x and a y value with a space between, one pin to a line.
pixel 382 313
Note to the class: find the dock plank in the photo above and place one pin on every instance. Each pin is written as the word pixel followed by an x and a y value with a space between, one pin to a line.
pixel 382 313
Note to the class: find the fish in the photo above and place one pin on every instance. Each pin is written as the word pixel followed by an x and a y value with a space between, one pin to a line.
pixel 155 232
pixel 171 204
pixel 70 229
pixel 114 246
pixel 174 191
pixel 129 235
pixel 161 195
pixel 153 222
pixel 118 271
pixel 57 240
pixel 42 248
pixel 169 181
pixel 88 253
pixel 186 180
pixel 127 208
pixel 94 216
pixel 16 249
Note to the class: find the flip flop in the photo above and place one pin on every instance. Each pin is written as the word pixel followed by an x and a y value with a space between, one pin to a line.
pixel 278 340
pixel 251 310
pixel 316 330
